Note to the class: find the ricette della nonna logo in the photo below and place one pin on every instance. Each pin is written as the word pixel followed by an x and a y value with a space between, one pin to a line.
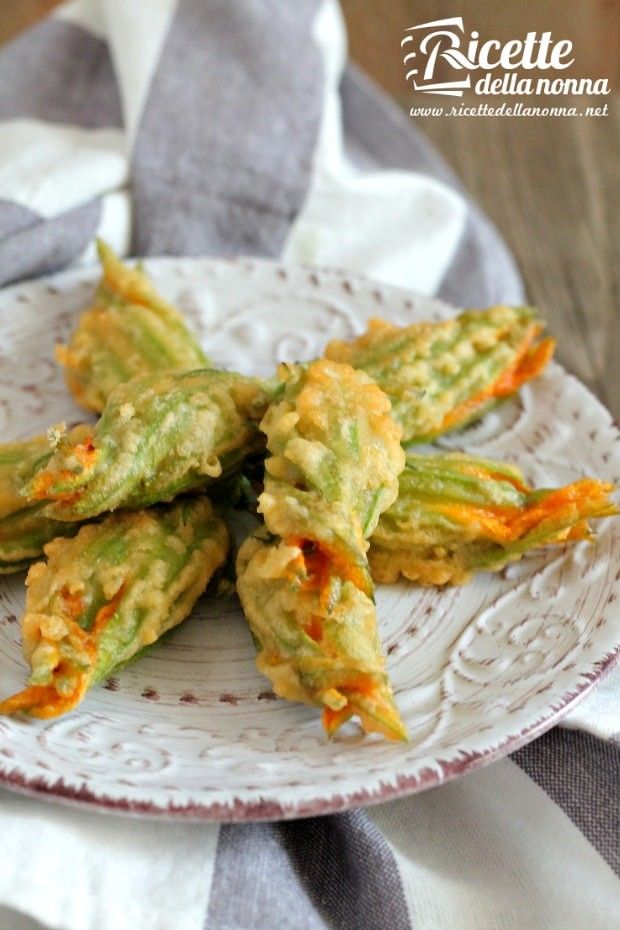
pixel 442 58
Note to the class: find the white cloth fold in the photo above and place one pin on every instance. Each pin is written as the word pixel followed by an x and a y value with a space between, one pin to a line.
pixel 75 870
pixel 599 712
pixel 420 220
pixel 490 851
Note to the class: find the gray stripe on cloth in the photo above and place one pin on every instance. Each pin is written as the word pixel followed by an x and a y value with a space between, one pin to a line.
pixel 255 885
pixel 15 218
pixel 497 279
pixel 375 126
pixel 582 775
pixel 379 134
pixel 32 246
pixel 325 873
pixel 349 870
pixel 223 156
pixel 61 73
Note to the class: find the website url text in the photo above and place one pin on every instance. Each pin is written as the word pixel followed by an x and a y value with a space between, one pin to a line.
pixel 509 109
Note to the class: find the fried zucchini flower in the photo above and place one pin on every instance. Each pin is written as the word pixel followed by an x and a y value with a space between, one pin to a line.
pixel 457 514
pixel 160 435
pixel 442 376
pixel 303 580
pixel 24 529
pixel 130 330
pixel 115 588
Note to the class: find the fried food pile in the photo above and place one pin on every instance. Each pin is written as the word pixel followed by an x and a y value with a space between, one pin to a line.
pixel 130 513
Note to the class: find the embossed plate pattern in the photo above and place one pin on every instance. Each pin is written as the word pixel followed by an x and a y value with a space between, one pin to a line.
pixel 193 730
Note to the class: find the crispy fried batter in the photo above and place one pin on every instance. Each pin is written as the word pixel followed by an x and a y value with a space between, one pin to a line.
pixel 115 588
pixel 441 376
pixel 305 585
pixel 24 529
pixel 457 514
pixel 130 330
pixel 159 436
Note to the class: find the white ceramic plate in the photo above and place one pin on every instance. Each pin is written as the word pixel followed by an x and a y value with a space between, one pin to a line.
pixel 193 730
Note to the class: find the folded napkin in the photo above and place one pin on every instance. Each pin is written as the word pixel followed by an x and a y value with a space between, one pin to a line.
pixel 204 126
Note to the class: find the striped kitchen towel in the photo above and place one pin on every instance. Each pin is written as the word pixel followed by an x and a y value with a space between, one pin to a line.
pixel 212 127
pixel 187 127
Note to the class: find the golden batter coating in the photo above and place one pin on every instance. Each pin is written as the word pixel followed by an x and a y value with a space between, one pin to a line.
pixel 304 581
pixel 130 330
pixel 24 528
pixel 104 595
pixel 159 436
pixel 457 514
pixel 441 376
